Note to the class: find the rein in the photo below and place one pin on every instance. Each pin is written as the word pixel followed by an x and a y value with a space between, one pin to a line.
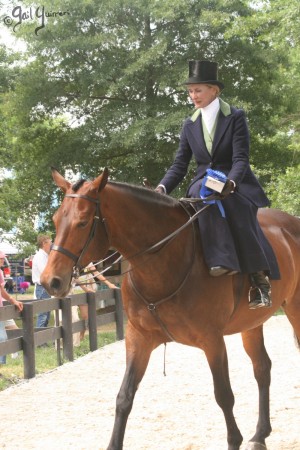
pixel 78 268
pixel 170 236
pixel 152 307
pixel 162 241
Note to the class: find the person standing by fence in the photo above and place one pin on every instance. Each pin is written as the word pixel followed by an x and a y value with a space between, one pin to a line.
pixel 4 295
pixel 87 283
pixel 38 265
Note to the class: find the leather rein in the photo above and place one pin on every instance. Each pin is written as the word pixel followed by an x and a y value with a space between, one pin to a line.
pixel 152 307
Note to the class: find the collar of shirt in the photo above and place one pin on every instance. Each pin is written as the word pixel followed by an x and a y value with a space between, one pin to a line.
pixel 209 113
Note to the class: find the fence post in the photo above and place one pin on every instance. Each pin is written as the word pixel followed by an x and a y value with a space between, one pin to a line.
pixel 67 334
pixel 58 341
pixel 119 315
pixel 28 341
pixel 92 320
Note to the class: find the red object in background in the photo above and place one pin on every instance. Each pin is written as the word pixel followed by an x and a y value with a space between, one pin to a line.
pixel 6 271
pixel 28 261
pixel 6 268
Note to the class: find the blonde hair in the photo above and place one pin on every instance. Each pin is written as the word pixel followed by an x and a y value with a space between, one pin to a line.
pixel 41 239
pixel 216 88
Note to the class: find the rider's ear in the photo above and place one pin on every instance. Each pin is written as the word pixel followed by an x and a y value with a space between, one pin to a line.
pixel 100 182
pixel 59 180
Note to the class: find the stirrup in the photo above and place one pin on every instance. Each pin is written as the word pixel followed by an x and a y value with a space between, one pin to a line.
pixel 260 300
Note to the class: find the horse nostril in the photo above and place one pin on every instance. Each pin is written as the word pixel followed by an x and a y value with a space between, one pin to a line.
pixel 55 283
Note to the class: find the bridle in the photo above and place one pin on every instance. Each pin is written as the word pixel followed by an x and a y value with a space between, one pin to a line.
pixel 152 307
pixel 97 217
pixel 77 269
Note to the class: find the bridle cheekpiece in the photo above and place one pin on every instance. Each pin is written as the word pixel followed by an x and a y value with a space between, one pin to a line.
pixel 77 259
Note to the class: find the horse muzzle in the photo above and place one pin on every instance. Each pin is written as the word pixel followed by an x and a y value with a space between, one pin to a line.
pixel 55 285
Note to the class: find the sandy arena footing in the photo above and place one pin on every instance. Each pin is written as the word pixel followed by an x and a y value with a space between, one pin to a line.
pixel 73 406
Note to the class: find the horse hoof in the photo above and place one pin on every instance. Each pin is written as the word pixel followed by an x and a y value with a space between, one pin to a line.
pixel 255 446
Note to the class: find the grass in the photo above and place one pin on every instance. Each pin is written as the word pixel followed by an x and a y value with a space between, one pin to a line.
pixel 46 359
pixel 28 295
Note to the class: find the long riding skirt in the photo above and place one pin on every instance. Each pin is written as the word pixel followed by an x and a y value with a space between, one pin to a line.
pixel 236 241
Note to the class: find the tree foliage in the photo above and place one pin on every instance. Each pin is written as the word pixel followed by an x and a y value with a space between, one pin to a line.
pixel 101 85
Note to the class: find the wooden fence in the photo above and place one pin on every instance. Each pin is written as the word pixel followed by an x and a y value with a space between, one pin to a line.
pixel 28 337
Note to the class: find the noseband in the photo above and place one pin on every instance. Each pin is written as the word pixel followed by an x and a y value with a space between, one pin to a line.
pixel 97 217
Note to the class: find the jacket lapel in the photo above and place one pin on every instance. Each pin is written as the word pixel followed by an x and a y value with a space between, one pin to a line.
pixel 197 130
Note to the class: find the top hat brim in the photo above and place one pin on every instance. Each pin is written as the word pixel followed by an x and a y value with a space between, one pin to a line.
pixel 195 80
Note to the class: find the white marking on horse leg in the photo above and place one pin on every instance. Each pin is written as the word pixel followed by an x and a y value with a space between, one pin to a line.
pixel 255 446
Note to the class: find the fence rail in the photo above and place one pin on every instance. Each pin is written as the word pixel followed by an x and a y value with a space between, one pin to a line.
pixel 28 337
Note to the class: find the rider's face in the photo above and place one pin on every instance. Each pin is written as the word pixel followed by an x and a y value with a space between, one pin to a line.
pixel 202 94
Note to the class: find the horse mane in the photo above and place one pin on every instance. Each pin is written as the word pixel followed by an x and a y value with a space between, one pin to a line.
pixel 146 194
pixel 140 192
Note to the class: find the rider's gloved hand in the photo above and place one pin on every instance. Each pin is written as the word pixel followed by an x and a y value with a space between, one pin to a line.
pixel 227 189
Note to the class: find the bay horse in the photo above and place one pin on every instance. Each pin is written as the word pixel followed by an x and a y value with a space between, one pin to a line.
pixel 168 293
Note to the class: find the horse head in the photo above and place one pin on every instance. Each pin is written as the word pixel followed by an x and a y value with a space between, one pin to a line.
pixel 77 222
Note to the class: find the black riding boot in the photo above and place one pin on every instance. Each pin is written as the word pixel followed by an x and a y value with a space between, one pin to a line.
pixel 260 291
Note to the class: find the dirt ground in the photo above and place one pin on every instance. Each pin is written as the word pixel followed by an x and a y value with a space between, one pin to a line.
pixel 72 407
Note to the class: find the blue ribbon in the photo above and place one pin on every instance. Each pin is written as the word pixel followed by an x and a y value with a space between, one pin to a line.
pixel 205 191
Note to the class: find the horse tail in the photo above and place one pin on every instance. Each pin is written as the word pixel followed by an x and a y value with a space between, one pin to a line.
pixel 297 341
pixel 294 321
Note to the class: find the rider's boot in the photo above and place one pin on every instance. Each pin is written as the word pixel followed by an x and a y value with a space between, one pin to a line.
pixel 260 291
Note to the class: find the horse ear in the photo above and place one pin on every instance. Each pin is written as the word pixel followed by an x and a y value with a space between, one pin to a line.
pixel 100 182
pixel 59 180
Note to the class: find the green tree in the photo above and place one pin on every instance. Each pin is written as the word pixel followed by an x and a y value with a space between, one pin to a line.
pixel 8 193
pixel 277 154
pixel 100 86
pixel 285 194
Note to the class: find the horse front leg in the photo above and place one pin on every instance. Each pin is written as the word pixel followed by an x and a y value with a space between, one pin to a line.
pixel 253 341
pixel 138 351
pixel 216 355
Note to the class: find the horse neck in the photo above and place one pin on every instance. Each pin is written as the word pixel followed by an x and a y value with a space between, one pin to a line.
pixel 135 222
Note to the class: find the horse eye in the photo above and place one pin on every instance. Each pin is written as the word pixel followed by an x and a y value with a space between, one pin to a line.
pixel 82 224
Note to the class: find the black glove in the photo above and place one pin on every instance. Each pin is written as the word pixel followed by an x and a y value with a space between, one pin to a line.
pixel 227 189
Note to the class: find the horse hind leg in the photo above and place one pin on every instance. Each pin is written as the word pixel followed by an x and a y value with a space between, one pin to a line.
pixel 253 342
pixel 216 356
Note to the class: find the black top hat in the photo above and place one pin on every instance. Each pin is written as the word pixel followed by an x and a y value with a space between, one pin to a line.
pixel 203 72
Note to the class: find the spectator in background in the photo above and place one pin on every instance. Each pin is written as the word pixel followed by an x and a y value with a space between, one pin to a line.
pixel 86 283
pixel 4 295
pixel 38 265
pixel 10 286
pixel 24 285
pixel 10 324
